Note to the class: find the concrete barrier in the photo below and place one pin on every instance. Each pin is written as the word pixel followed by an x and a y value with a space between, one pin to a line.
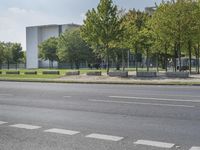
pixel 94 73
pixel 118 74
pixel 72 73
pixel 146 74
pixel 177 74
pixel 30 73
pixel 13 72
pixel 51 72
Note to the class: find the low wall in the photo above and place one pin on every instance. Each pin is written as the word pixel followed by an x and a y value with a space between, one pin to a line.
pixel 95 73
pixel 51 72
pixel 178 74
pixel 72 73
pixel 146 74
pixel 13 72
pixel 118 74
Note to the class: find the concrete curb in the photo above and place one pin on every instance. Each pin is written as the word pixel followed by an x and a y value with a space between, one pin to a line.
pixel 103 82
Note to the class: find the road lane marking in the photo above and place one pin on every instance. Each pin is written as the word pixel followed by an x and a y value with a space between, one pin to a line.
pixel 62 131
pixel 25 126
pixel 2 94
pixel 105 137
pixel 138 103
pixel 157 99
pixel 154 144
pixel 195 148
pixel 2 122
pixel 66 96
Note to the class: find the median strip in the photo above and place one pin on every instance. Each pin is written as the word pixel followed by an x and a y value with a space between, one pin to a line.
pixel 105 137
pixel 154 144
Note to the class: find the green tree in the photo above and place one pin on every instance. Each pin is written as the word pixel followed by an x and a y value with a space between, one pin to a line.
pixel 102 28
pixel 48 49
pixel 17 53
pixel 134 22
pixel 73 49
pixel 1 55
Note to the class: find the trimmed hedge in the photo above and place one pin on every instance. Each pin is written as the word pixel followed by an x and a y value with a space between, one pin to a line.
pixel 72 73
pixel 12 72
pixel 0 72
pixel 51 72
pixel 30 73
pixel 147 74
pixel 178 74
pixel 94 73
pixel 118 74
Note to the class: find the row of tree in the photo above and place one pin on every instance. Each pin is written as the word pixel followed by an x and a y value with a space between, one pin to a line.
pixel 11 53
pixel 169 32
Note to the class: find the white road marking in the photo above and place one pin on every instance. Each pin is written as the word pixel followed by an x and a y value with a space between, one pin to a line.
pixel 154 144
pixel 2 122
pixel 5 94
pixel 25 126
pixel 195 148
pixel 157 99
pixel 104 137
pixel 138 103
pixel 66 96
pixel 62 131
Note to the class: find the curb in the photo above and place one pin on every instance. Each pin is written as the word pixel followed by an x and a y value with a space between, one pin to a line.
pixel 175 83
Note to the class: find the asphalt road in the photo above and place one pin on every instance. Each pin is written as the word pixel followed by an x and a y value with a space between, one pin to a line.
pixel 37 116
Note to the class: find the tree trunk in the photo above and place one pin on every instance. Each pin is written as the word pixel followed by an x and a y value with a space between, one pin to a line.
pixel 179 55
pixel 174 60
pixel 8 63
pixel 157 62
pixel 136 59
pixel 108 59
pixel 165 57
pixel 147 63
pixel 198 53
pixel 190 56
pixel 123 61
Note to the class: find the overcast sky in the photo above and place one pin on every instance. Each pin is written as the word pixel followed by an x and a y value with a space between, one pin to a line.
pixel 15 15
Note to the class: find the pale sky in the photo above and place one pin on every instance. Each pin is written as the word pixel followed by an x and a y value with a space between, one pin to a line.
pixel 15 15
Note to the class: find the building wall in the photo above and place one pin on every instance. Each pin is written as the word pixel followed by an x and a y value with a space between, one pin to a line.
pixel 38 34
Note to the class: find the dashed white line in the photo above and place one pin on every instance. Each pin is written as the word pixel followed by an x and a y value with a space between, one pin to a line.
pixel 138 103
pixel 156 99
pixel 2 94
pixel 105 137
pixel 62 131
pixel 25 126
pixel 195 148
pixel 66 96
pixel 2 122
pixel 154 144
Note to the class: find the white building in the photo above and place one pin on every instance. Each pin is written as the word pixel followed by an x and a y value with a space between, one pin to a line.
pixel 37 34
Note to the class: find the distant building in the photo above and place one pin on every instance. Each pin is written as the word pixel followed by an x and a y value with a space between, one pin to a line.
pixel 150 10
pixel 36 35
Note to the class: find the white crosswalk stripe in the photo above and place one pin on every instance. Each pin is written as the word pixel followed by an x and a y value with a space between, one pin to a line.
pixel 154 144
pixel 25 126
pixel 195 148
pixel 104 137
pixel 62 131
pixel 2 122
